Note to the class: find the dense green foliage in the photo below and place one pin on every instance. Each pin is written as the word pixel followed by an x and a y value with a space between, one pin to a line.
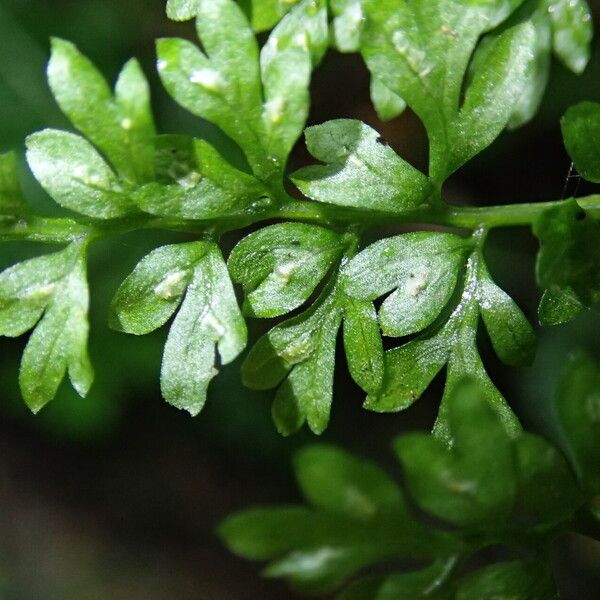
pixel 488 490
pixel 469 69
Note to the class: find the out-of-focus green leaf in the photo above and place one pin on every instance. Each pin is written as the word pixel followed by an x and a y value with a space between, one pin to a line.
pixel 322 570
pixel 578 405
pixel 152 293
pixel 280 266
pixel 120 125
pixel 457 484
pixel 360 518
pixel 581 133
pixel 509 580
pixel 265 533
pixel 568 260
pixel 76 176
pixel 547 492
pixel 572 32
pixel 338 482
pixel 415 585
pixel 362 171
pixel 322 550
pixel 12 202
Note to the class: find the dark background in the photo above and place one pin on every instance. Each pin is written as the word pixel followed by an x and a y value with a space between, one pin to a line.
pixel 117 496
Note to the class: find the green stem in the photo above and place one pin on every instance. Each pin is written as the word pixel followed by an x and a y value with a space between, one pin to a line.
pixel 63 230
pixel 488 217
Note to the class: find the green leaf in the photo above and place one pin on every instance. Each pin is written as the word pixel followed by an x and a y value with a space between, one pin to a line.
pixel 363 589
pixel 388 104
pixel 209 316
pixel 321 550
pixel 176 160
pixel 421 267
pixel 410 368
pixel 362 171
pixel 300 353
pixel 578 405
pixel 121 126
pixel 413 585
pixel 261 104
pixel 286 77
pixel 581 133
pixel 494 95
pixel 363 345
pixel 280 266
pixel 459 485
pixel 12 202
pixel 380 268
pixel 286 60
pixel 547 492
pixel 511 333
pixel 27 288
pixel 421 296
pixel 152 293
pixel 568 259
pixel 322 570
pixel 198 85
pixel 465 360
pixel 534 12
pixel 265 533
pixel 572 32
pixel 286 345
pixel 347 24
pixel 182 10
pixel 310 383
pixel 59 341
pixel 537 76
pixel 207 186
pixel 267 13
pixel 408 372
pixel 558 307
pixel 509 580
pixel 421 52
pixel 75 175
pixel 338 482
pixel 304 26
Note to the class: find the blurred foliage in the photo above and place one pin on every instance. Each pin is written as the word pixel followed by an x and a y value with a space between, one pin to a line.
pixel 529 164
